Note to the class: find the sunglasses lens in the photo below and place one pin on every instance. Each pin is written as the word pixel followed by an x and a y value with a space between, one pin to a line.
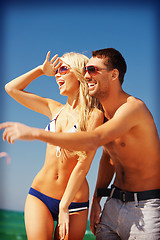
pixel 63 70
pixel 92 70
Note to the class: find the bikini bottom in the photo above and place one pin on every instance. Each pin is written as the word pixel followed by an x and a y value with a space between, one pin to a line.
pixel 53 204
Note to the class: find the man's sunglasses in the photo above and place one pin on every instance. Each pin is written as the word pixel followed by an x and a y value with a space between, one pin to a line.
pixel 92 70
pixel 62 70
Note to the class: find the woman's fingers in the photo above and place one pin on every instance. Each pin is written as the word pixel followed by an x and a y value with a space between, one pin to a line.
pixel 63 230
pixel 50 66
pixel 54 58
pixel 67 228
pixel 48 55
pixel 56 61
pixel 58 65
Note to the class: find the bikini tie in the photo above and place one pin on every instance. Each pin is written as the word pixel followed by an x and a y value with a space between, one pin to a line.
pixel 58 151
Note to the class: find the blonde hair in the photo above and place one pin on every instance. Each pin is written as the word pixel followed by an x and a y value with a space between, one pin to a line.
pixel 77 62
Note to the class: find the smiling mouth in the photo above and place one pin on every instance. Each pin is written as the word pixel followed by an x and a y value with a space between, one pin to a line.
pixel 60 83
pixel 91 85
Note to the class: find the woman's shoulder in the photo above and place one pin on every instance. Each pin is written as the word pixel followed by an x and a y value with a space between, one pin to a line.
pixel 55 107
pixel 97 113
pixel 96 118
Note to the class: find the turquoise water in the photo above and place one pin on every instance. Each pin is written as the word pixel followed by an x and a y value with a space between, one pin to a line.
pixel 12 226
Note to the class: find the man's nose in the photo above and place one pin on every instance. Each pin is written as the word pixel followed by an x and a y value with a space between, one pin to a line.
pixel 87 75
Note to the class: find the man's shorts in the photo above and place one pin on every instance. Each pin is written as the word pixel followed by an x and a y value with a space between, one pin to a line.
pixel 130 220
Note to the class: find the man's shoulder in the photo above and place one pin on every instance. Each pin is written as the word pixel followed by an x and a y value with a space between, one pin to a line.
pixel 134 104
pixel 133 110
pixel 134 100
pixel 137 105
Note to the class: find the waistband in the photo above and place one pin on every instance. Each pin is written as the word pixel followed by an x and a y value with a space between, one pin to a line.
pixel 126 196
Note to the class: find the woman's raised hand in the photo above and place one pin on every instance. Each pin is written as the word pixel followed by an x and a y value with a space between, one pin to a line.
pixel 49 66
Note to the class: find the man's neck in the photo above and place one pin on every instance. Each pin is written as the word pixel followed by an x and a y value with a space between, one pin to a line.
pixel 113 102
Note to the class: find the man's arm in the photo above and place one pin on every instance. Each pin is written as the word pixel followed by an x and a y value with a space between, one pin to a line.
pixel 105 175
pixel 127 116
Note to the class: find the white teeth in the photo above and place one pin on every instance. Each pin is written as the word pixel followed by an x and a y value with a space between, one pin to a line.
pixel 91 85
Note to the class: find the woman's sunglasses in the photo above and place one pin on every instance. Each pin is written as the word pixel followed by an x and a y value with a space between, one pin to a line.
pixel 62 70
pixel 92 70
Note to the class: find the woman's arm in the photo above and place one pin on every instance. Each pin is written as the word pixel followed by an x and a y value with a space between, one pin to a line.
pixel 77 178
pixel 83 165
pixel 16 87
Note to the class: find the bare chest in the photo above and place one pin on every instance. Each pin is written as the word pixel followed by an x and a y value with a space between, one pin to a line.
pixel 120 153
pixel 118 147
pixel 124 151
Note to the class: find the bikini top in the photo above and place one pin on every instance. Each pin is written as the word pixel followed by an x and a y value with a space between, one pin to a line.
pixel 52 128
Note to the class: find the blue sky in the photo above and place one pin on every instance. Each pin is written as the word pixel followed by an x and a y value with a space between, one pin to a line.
pixel 29 31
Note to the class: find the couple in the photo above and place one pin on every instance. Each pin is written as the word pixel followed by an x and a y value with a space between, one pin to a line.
pixel 131 150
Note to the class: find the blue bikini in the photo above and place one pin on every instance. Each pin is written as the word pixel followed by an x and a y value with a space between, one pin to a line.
pixel 52 203
pixel 52 128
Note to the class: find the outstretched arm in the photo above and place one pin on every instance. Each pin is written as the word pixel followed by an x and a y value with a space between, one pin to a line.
pixel 16 87
pixel 129 116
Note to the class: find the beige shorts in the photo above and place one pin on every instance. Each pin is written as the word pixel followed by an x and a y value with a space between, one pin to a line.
pixel 127 220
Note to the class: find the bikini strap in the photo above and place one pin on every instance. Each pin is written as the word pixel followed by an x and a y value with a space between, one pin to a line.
pixel 58 113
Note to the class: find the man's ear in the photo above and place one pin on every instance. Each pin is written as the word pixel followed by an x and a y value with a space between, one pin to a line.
pixel 115 74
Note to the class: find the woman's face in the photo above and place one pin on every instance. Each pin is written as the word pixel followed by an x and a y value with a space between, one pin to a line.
pixel 67 81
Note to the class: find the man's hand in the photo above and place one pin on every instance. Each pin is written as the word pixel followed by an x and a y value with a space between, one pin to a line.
pixel 14 131
pixel 95 215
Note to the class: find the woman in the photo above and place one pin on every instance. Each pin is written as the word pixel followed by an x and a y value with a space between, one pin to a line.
pixel 61 183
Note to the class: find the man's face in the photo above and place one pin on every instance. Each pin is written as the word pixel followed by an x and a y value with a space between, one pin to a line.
pixel 98 83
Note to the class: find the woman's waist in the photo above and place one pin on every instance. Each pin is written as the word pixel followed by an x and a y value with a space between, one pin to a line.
pixel 54 175
pixel 55 188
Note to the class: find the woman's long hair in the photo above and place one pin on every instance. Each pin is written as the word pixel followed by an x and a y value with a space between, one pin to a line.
pixel 77 62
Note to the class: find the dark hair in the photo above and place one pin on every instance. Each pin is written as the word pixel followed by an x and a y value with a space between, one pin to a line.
pixel 114 59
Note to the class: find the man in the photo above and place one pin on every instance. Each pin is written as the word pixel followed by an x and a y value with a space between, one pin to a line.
pixel 131 151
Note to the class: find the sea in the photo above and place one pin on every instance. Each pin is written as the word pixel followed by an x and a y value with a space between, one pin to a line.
pixel 12 226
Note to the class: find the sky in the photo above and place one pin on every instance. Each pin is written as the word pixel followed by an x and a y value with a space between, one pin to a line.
pixel 30 30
